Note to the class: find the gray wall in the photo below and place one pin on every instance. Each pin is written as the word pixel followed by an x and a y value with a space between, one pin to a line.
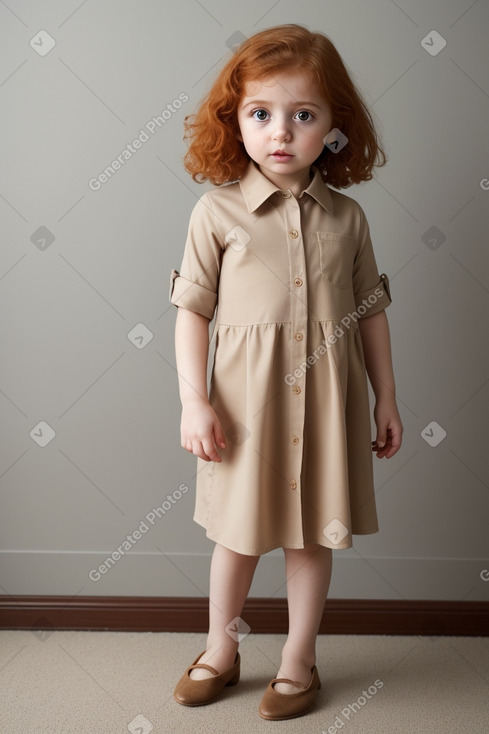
pixel 90 412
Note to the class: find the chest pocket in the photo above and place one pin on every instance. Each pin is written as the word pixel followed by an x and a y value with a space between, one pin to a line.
pixel 336 256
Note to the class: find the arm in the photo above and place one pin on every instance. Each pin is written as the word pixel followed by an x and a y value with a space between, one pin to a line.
pixel 374 331
pixel 200 427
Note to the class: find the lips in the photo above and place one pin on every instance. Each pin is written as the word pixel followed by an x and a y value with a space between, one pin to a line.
pixel 282 155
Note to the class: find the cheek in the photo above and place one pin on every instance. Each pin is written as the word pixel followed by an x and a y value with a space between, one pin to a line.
pixel 249 134
pixel 315 142
pixel 244 130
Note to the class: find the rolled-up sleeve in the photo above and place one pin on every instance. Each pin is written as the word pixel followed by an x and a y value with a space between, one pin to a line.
pixel 371 289
pixel 195 286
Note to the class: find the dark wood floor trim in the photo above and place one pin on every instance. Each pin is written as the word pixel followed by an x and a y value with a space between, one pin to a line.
pixel 188 614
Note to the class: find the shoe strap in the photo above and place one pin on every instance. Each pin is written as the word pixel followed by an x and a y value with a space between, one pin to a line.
pixel 205 666
pixel 296 683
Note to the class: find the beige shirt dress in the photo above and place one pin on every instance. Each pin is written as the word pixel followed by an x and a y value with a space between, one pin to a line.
pixel 287 280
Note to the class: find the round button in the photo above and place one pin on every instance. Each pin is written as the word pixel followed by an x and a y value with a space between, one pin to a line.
pixel 286 194
pixel 299 336
pixel 293 484
pixel 295 439
pixel 296 389
pixel 294 233
pixel 298 282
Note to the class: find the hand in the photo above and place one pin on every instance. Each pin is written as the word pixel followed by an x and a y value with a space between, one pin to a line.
pixel 201 430
pixel 389 428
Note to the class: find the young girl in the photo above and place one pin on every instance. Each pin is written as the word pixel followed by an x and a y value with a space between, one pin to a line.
pixel 283 438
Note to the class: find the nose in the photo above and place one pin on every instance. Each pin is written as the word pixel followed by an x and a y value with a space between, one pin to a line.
pixel 281 130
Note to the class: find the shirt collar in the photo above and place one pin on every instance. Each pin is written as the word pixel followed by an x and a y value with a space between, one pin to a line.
pixel 257 188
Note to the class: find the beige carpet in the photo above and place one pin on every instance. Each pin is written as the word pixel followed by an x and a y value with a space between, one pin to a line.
pixel 110 682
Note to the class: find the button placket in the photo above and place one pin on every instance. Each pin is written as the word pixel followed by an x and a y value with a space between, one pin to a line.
pixel 298 347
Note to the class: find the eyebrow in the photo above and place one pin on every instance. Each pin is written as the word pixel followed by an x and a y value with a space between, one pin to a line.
pixel 293 104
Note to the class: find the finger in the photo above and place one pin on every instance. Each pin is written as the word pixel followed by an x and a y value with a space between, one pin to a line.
pixel 211 451
pixel 392 445
pixel 381 451
pixel 395 445
pixel 198 450
pixel 219 435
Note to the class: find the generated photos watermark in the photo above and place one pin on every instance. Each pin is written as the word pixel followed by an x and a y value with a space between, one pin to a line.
pixel 151 127
pixel 335 531
pixel 352 317
pixel 335 140
pixel 130 540
pixel 238 629
pixel 140 725
pixel 352 709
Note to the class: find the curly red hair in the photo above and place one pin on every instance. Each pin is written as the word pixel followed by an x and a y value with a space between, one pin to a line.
pixel 216 154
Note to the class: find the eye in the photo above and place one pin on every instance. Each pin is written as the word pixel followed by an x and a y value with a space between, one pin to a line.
pixel 304 116
pixel 260 115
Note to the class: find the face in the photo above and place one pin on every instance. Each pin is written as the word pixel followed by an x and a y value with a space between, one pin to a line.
pixel 283 120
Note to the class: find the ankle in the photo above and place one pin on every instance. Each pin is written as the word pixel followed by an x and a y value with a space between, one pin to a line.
pixel 221 652
pixel 298 656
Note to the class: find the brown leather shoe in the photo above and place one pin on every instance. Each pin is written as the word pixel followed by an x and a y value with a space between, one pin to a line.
pixel 190 692
pixel 277 706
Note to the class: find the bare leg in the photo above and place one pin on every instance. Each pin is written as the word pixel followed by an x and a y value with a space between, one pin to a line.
pixel 230 581
pixel 308 573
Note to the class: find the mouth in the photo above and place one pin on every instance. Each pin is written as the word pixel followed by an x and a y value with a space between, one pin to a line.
pixel 282 156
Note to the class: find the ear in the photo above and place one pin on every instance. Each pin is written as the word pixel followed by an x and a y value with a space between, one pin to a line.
pixel 238 137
